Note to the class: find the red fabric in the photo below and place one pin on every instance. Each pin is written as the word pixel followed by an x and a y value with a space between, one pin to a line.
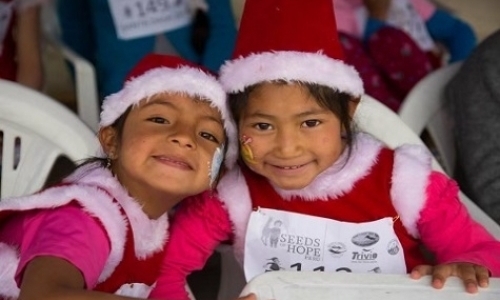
pixel 153 61
pixel 131 269
pixel 374 82
pixel 353 207
pixel 390 64
pixel 288 25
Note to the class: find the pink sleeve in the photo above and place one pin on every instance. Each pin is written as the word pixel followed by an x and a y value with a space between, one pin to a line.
pixel 68 233
pixel 424 8
pixel 198 227
pixel 448 231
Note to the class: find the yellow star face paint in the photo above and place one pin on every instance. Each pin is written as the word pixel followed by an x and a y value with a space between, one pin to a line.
pixel 246 151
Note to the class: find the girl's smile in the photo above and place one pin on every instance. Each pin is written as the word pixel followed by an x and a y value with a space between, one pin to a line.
pixel 290 137
pixel 165 151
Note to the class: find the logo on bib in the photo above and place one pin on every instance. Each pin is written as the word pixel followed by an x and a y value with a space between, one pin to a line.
pixel 393 247
pixel 365 255
pixel 336 249
pixel 271 233
pixel 365 239
pixel 273 264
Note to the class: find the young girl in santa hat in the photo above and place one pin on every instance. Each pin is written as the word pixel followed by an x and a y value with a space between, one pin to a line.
pixel 311 193
pixel 103 229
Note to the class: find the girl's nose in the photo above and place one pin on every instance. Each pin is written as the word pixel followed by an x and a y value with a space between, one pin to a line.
pixel 184 138
pixel 288 143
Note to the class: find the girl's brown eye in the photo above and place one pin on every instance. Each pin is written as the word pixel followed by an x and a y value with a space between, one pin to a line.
pixel 209 137
pixel 158 120
pixel 263 126
pixel 311 123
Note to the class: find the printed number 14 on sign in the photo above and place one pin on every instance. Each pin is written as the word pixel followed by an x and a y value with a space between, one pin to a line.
pixel 141 18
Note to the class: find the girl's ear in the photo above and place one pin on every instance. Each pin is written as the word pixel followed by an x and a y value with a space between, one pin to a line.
pixel 353 104
pixel 109 141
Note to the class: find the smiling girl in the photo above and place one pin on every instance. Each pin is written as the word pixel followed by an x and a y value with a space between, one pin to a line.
pixel 303 163
pixel 103 229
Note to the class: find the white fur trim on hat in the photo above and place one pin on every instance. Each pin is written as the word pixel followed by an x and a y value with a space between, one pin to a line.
pixel 239 73
pixel 150 235
pixel 187 80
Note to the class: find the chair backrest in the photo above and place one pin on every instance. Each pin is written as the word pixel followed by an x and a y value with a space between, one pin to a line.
pixel 376 119
pixel 35 131
pixel 424 108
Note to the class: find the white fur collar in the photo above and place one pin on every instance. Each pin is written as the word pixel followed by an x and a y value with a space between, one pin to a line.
pixel 10 261
pixel 412 166
pixel 344 175
pixel 149 235
pixel 91 185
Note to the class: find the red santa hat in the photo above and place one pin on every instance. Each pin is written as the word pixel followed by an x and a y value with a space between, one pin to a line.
pixel 156 74
pixel 291 40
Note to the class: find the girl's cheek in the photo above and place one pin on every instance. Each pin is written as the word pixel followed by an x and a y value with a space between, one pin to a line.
pixel 246 151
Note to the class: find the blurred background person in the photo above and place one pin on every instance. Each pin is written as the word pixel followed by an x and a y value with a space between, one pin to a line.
pixel 395 43
pixel 115 34
pixel 20 51
pixel 474 97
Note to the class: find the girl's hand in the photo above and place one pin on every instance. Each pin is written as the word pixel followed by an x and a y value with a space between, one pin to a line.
pixel 471 274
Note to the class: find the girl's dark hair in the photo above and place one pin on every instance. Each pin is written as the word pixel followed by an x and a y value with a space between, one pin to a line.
pixel 335 101
pixel 118 126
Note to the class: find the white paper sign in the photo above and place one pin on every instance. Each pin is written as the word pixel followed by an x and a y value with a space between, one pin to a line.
pixel 140 18
pixel 278 240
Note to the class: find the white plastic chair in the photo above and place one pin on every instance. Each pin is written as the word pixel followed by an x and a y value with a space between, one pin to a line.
pixel 87 101
pixel 36 131
pixel 376 119
pixel 424 108
pixel 288 285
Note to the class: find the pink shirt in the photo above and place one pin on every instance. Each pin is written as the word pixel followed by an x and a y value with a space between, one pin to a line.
pixel 66 232
pixel 350 21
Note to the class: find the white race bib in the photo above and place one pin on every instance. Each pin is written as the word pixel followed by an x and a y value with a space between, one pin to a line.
pixel 402 15
pixel 140 18
pixel 278 240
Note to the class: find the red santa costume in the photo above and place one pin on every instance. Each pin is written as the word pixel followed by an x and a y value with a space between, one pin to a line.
pixel 369 212
pixel 89 219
